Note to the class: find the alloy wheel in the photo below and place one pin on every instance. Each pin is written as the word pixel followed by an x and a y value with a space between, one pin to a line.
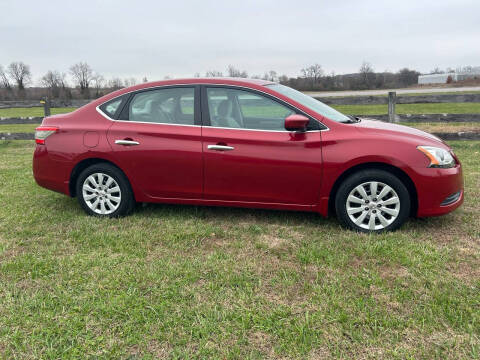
pixel 101 193
pixel 373 205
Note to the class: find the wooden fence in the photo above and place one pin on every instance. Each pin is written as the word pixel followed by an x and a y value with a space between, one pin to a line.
pixel 400 99
pixel 7 104
pixel 392 99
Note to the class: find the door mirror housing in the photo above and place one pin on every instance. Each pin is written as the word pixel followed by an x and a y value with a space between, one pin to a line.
pixel 296 122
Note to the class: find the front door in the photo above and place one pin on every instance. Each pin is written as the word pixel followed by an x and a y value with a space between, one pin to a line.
pixel 158 142
pixel 248 154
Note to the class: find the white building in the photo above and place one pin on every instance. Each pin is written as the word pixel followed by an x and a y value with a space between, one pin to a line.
pixel 456 76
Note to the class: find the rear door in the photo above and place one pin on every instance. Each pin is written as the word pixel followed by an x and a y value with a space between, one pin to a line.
pixel 157 142
pixel 248 154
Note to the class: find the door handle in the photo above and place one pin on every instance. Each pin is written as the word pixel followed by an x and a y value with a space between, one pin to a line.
pixel 220 147
pixel 126 142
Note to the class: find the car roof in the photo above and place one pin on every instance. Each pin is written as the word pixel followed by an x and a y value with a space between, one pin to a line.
pixel 209 80
pixel 250 83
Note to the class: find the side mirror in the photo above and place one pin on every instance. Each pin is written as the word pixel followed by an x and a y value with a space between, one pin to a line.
pixel 296 122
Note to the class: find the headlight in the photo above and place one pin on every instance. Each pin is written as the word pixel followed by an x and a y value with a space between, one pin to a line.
pixel 438 157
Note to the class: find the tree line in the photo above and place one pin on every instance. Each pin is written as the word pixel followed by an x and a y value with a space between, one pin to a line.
pixel 87 83
pixel 17 76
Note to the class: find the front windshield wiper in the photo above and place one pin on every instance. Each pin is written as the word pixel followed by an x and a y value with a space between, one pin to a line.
pixel 352 119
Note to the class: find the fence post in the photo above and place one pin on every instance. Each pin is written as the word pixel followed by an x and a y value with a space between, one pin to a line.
pixel 46 106
pixel 392 98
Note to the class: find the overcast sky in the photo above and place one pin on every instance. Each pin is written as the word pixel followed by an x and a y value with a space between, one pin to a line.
pixel 179 38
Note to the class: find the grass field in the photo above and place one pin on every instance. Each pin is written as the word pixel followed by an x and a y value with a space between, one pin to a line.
pixel 443 108
pixel 32 112
pixel 443 127
pixel 200 282
pixel 26 128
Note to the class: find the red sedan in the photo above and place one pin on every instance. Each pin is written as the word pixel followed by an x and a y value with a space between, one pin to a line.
pixel 249 143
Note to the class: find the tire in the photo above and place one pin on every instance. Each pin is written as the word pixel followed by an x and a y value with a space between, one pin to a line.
pixel 361 211
pixel 107 185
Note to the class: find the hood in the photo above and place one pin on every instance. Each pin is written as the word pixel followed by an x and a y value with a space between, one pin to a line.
pixel 380 127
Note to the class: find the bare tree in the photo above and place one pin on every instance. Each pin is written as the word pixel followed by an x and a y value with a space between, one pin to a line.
pixel 366 73
pixel 4 82
pixel 115 83
pixel 213 73
pixel 313 73
pixel 51 80
pixel 54 81
pixel 98 82
pixel 144 79
pixel 283 79
pixel 197 75
pixel 234 72
pixel 408 77
pixel 130 82
pixel 271 76
pixel 83 76
pixel 20 73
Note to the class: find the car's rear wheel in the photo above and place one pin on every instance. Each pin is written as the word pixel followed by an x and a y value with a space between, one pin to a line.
pixel 372 201
pixel 103 190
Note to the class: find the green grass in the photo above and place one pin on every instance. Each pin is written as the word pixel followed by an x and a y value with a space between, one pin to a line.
pixel 32 112
pixel 26 128
pixel 201 282
pixel 443 126
pixel 442 108
pixel 448 108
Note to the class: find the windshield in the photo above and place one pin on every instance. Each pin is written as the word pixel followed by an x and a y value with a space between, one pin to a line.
pixel 310 103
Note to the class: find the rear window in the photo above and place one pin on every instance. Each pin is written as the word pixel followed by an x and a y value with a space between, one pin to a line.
pixel 113 107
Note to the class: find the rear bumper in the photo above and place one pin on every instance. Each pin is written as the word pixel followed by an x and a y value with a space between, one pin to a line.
pixel 49 172
pixel 439 191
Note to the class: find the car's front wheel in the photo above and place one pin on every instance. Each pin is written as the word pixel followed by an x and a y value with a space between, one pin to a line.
pixel 372 201
pixel 103 190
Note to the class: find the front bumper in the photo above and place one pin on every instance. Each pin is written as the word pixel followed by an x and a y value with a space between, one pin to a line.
pixel 439 191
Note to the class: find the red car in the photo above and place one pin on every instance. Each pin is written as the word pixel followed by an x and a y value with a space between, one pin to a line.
pixel 248 143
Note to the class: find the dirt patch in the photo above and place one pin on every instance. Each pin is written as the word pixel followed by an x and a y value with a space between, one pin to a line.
pixel 154 347
pixel 262 342
pixel 12 252
pixel 466 272
pixel 389 272
pixel 158 349
pixel 273 242
pixel 451 342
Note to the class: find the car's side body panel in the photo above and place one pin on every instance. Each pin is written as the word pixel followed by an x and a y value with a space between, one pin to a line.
pixel 166 163
pixel 348 147
pixel 264 167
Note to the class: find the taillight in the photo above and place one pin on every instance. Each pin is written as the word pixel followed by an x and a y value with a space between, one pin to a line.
pixel 42 132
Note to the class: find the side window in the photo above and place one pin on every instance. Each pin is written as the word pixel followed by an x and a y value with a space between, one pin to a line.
pixel 110 108
pixel 167 106
pixel 232 108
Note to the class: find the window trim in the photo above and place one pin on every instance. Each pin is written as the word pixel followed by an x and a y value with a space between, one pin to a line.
pixel 200 103
pixel 124 98
pixel 125 106
pixel 206 110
